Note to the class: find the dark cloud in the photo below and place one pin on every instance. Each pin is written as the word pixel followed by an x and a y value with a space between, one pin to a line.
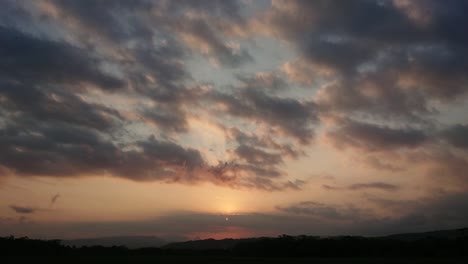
pixel 23 209
pixel 374 185
pixel 435 212
pixel 54 125
pixel 388 66
pixel 438 212
pixel 443 166
pixel 365 186
pixel 379 164
pixel 167 118
pixel 122 21
pixel 54 199
pixel 330 187
pixel 199 35
pixel 68 151
pixel 52 149
pixel 388 59
pixel 376 137
pixel 457 136
pixel 30 59
pixel 116 20
pixel 50 105
pixel 264 142
pixel 331 212
pixel 231 10
pixel 257 156
pixel 292 117
pixel 374 95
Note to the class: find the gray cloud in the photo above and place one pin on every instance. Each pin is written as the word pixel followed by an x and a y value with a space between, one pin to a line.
pixel 255 155
pixel 379 164
pixel 120 21
pixel 389 59
pixel 265 142
pixel 49 105
pixel 457 136
pixel 329 212
pixel 365 186
pixel 374 185
pixel 167 118
pixel 108 19
pixel 202 35
pixel 294 118
pixel 31 59
pixel 54 199
pixel 23 209
pixel 66 151
pixel 386 63
pixel 435 212
pixel 376 138
pixel 444 211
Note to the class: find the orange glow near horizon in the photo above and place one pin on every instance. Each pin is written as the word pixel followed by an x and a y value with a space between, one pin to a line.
pixel 222 232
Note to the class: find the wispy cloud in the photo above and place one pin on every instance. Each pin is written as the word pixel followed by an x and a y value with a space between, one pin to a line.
pixel 364 186
pixel 23 209
pixel 54 199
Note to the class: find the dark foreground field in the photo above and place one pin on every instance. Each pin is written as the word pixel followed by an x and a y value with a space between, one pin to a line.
pixel 434 247
pixel 228 260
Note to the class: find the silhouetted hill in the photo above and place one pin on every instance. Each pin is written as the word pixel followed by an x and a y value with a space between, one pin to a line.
pixel 442 234
pixel 131 242
pixel 206 244
pixel 445 246
pixel 212 244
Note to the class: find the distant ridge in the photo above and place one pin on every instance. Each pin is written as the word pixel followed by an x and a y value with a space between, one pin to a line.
pixel 131 242
pixel 446 246
pixel 134 242
pixel 206 244
pixel 223 244
pixel 442 234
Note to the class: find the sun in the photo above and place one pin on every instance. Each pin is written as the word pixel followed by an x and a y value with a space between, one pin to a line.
pixel 229 209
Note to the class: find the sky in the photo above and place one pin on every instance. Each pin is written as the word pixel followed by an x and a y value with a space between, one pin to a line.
pixel 195 119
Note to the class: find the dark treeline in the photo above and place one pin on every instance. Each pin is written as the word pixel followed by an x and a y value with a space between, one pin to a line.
pixel 348 246
pixel 283 246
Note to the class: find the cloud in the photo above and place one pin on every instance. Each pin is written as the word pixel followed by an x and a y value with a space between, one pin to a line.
pixel 199 35
pixel 84 85
pixel 23 210
pixel 323 211
pixel 167 118
pixel 305 73
pixel 375 137
pixel 54 199
pixel 32 59
pixel 365 186
pixel 56 121
pixel 435 212
pixel 32 102
pixel 385 61
pixel 378 164
pixel 294 118
pixel 255 155
pixel 374 185
pixel 104 19
pixel 457 136
pixel 67 151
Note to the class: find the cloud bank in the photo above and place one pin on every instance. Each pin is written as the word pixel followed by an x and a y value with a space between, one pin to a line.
pixel 107 88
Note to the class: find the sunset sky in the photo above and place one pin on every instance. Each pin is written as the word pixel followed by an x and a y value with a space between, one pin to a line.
pixel 194 119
